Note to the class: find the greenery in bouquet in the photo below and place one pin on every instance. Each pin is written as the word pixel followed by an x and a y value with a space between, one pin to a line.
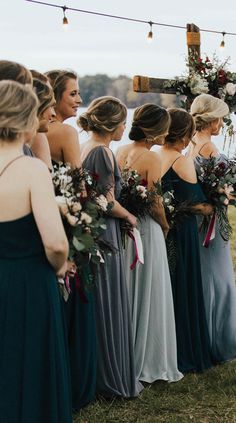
pixel 82 206
pixel 218 181
pixel 135 195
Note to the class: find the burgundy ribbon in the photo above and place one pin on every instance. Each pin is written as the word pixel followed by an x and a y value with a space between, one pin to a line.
pixel 80 289
pixel 136 258
pixel 210 229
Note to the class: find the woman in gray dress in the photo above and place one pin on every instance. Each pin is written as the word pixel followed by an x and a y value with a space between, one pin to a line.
pixel 116 375
pixel 216 261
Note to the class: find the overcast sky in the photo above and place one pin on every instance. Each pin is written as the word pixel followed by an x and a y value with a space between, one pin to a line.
pixel 33 35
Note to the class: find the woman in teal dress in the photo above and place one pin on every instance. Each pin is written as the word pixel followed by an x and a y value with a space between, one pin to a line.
pixel 34 370
pixel 79 309
pixel 179 176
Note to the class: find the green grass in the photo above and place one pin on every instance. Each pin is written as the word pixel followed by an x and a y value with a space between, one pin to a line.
pixel 198 398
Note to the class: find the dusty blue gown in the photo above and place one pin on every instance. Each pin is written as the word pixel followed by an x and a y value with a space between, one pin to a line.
pixel 34 370
pixel 193 342
pixel 116 374
pixel 219 289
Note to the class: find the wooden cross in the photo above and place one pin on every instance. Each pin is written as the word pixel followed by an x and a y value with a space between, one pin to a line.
pixel 144 84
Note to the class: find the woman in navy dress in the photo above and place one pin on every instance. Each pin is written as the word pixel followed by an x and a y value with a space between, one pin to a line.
pixel 34 371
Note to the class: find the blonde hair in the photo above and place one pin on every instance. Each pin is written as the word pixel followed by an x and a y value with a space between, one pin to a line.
pixel 18 109
pixel 14 72
pixel 206 108
pixel 58 79
pixel 45 95
pixel 149 120
pixel 104 114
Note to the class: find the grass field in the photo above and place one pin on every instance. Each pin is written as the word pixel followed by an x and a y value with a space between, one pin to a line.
pixel 198 398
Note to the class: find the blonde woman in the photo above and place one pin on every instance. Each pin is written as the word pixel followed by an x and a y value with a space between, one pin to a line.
pixel 34 374
pixel 149 285
pixel 216 260
pixel 116 375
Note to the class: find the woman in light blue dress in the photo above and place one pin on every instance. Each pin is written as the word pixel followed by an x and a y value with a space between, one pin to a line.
pixel 216 260
pixel 149 284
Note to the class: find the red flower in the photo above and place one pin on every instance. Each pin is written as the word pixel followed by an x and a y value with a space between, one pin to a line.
pixel 95 176
pixel 144 182
pixel 222 77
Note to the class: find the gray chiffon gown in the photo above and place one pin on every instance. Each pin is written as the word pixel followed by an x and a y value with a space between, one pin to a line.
pixel 116 374
pixel 219 289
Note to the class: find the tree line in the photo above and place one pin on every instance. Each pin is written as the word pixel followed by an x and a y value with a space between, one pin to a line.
pixel 93 86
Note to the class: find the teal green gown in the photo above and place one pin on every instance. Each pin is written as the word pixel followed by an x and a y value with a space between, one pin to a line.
pixel 193 342
pixel 34 370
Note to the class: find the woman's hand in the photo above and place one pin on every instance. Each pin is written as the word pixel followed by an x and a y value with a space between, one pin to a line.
pixel 62 271
pixel 71 268
pixel 131 219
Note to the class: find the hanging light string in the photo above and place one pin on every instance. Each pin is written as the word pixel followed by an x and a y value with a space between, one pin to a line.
pixel 106 15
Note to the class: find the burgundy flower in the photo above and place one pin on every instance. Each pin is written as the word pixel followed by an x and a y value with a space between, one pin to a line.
pixel 144 182
pixel 222 77
pixel 95 176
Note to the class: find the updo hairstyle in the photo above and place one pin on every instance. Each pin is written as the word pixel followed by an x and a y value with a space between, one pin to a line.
pixel 149 120
pixel 18 110
pixel 14 72
pixel 206 108
pixel 104 114
pixel 181 125
pixel 58 80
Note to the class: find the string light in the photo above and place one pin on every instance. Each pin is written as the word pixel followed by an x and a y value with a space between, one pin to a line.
pixel 129 19
pixel 65 20
pixel 150 34
pixel 222 44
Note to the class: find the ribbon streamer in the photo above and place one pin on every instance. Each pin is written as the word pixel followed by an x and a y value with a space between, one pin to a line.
pixel 138 247
pixel 211 231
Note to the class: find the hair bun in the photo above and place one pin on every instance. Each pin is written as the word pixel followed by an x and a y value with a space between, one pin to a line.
pixel 136 133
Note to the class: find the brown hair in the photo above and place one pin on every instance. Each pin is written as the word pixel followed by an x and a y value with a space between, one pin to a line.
pixel 181 125
pixel 38 75
pixel 104 114
pixel 58 80
pixel 45 95
pixel 15 72
pixel 149 120
pixel 18 109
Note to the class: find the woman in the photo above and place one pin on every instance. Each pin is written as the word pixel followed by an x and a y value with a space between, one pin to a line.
pixel 64 147
pixel 149 285
pixel 179 176
pixel 40 146
pixel 116 375
pixel 63 139
pixel 34 375
pixel 216 261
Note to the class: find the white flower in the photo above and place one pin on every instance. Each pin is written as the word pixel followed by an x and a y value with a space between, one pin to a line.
pixel 61 202
pixel 226 201
pixel 102 202
pixel 198 85
pixel 171 208
pixel 230 88
pixel 76 207
pixel 86 218
pixel 140 188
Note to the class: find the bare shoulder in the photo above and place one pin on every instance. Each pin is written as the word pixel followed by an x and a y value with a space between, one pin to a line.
pixel 37 167
pixel 209 149
pixel 185 168
pixel 152 157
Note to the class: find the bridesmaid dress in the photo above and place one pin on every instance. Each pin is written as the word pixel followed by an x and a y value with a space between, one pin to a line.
pixel 218 288
pixel 81 333
pixel 34 370
pixel 152 309
pixel 193 342
pixel 116 373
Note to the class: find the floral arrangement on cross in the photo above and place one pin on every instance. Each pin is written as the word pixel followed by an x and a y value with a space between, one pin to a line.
pixel 207 76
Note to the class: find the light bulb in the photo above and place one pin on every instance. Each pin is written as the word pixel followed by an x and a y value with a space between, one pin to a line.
pixel 222 44
pixel 150 34
pixel 65 20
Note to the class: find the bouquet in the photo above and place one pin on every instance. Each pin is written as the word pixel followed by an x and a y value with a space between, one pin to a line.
pixel 135 196
pixel 175 210
pixel 218 181
pixel 82 207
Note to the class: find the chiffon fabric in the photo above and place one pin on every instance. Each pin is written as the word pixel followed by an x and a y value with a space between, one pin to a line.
pixel 34 370
pixel 116 374
pixel 219 288
pixel 152 310
pixel 193 342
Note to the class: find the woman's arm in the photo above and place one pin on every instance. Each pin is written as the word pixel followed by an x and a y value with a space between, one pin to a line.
pixel 47 215
pixel 69 142
pixel 40 148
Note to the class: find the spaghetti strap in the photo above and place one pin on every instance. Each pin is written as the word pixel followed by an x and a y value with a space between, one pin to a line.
pixel 9 163
pixel 176 160
pixel 199 152
pixel 133 160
